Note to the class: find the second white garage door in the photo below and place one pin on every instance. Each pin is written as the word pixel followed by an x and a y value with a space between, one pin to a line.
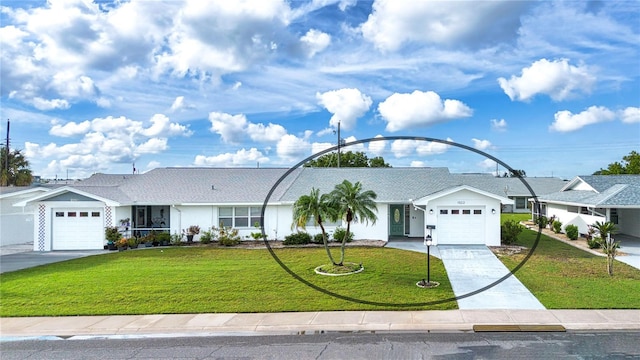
pixel 75 229
pixel 461 225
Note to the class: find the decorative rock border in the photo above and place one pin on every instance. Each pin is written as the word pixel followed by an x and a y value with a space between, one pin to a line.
pixel 317 271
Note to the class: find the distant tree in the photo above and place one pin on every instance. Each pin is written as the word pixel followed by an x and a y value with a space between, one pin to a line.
pixel 347 159
pixel 18 173
pixel 515 173
pixel 630 165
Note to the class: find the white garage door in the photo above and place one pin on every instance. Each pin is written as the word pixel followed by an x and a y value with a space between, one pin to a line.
pixel 461 225
pixel 75 229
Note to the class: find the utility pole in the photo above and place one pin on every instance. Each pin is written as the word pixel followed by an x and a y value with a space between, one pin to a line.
pixel 6 158
pixel 339 141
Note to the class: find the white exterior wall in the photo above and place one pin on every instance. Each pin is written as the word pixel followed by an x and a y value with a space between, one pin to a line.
pixel 16 223
pixel 379 231
pixel 416 219
pixel 468 198
pixel 582 221
pixel 42 227
pixel 629 221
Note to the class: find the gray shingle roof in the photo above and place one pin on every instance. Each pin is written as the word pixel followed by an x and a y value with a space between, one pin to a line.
pixel 251 185
pixel 612 191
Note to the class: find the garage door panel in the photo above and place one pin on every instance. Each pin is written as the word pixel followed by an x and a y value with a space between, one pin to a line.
pixel 461 225
pixel 77 229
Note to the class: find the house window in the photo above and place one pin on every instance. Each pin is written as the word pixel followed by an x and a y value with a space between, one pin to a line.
pixel 572 209
pixel 466 212
pixel 239 216
pixel 614 216
pixel 477 212
pixel 584 211
pixel 521 203
pixel 444 212
pixel 455 212
pixel 95 214
pixel 71 214
pixel 59 213
pixel 84 214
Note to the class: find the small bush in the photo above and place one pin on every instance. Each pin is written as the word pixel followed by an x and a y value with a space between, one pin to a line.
pixel 299 238
pixel 206 237
pixel 542 221
pixel 572 231
pixel 317 239
pixel 227 236
pixel 509 231
pixel 176 239
pixel 557 226
pixel 112 234
pixel 594 243
pixel 338 234
pixel 163 237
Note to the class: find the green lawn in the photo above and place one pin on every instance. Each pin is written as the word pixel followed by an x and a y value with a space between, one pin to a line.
pixel 564 277
pixel 219 280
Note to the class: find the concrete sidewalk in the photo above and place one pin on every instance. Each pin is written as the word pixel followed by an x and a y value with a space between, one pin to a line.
pixel 78 327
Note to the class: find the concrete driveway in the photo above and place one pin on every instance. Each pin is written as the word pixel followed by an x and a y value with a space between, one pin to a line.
pixel 630 246
pixel 472 267
pixel 18 257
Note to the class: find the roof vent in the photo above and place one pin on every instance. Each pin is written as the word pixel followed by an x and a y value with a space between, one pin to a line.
pixel 213 187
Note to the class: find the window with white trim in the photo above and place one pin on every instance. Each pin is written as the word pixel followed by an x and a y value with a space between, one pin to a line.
pixel 521 203
pixel 239 216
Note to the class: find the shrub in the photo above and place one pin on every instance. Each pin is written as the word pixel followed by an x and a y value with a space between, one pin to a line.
pixel 572 231
pixel 227 235
pixel 176 239
pixel 163 237
pixel 509 231
pixel 112 234
pixel 338 234
pixel 206 237
pixel 594 243
pixel 542 221
pixel 557 226
pixel 317 239
pixel 299 238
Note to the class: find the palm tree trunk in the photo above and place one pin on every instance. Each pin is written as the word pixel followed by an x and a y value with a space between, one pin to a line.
pixel 344 242
pixel 326 244
pixel 610 264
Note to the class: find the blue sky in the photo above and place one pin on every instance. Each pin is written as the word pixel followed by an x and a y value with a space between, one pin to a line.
pixel 552 88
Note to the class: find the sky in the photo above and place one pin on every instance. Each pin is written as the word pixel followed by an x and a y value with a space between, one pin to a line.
pixel 551 88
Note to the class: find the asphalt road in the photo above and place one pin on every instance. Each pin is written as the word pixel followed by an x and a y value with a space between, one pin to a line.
pixel 609 345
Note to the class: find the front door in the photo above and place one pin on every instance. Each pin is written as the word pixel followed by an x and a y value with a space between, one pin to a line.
pixel 396 220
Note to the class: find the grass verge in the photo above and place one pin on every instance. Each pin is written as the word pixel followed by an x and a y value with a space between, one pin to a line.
pixel 214 280
pixel 564 277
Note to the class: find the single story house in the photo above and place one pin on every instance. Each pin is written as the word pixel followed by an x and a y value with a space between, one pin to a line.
pixel 171 199
pixel 587 199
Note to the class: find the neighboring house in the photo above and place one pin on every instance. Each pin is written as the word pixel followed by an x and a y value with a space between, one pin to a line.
pixel 16 223
pixel 587 199
pixel 172 199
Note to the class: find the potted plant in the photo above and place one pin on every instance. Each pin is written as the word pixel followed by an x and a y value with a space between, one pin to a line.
pixel 163 238
pixel 125 223
pixel 122 244
pixel 191 231
pixel 132 243
pixel 112 235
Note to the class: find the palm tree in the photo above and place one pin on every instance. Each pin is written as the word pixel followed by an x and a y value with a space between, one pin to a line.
pixel 18 172
pixel 353 204
pixel 317 207
pixel 609 246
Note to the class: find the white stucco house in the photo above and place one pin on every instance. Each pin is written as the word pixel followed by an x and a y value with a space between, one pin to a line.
pixel 73 217
pixel 587 199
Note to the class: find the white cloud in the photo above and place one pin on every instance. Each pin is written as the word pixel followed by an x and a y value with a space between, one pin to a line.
pixel 557 79
pixel 291 148
pixel 70 129
pixel 324 132
pixel 481 144
pixel 316 147
pixel 355 147
pixel 499 125
pixel 315 41
pixel 417 163
pixel 230 127
pixel 239 158
pixel 566 121
pixel 393 23
pixel 152 146
pixel 404 148
pixel 44 104
pixel 161 126
pixel 377 147
pixel 630 115
pixel 269 133
pixel 346 105
pixel 488 164
pixel 419 109
pixel 178 104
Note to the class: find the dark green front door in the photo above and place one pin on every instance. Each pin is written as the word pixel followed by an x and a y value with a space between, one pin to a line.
pixel 396 220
